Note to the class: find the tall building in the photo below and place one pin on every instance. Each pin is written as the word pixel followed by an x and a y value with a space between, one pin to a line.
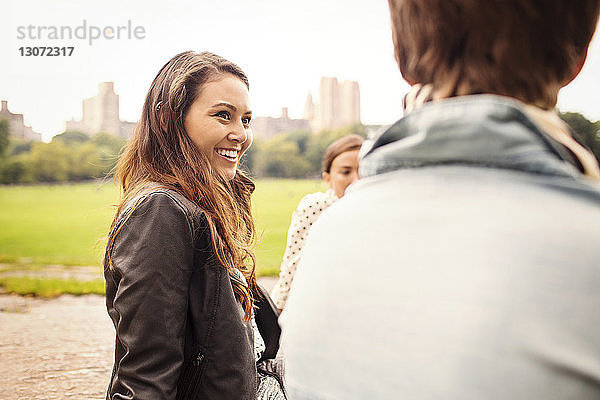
pixel 329 104
pixel 339 105
pixel 350 103
pixel 309 108
pixel 267 127
pixel 101 114
pixel 17 127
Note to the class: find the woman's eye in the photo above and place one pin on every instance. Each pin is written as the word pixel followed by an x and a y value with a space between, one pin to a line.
pixel 246 120
pixel 224 115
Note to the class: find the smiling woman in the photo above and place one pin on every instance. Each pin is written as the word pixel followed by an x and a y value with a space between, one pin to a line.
pixel 190 321
pixel 218 122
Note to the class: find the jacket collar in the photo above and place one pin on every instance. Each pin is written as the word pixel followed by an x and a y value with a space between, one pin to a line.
pixel 484 130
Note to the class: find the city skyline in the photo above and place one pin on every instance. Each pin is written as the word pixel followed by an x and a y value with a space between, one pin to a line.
pixel 284 48
pixel 338 107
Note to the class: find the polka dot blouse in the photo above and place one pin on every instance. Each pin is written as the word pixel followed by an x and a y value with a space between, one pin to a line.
pixel 309 209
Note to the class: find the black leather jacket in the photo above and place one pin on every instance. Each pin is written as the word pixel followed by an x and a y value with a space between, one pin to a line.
pixel 180 332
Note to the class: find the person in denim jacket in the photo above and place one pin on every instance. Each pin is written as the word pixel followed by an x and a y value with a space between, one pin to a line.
pixel 467 263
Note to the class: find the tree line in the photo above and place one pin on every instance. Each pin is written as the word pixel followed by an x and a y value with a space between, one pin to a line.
pixel 70 156
pixel 295 154
pixel 586 131
pixel 75 156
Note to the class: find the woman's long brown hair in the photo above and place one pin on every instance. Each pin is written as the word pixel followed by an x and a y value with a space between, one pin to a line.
pixel 161 152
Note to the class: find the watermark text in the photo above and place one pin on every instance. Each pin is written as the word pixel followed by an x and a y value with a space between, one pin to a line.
pixel 85 31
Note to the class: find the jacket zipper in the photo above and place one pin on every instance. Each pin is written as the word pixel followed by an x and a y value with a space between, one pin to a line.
pixel 198 359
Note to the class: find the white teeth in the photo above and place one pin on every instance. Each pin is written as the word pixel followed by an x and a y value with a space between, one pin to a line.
pixel 228 153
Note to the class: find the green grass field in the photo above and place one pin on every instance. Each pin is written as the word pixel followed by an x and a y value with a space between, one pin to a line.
pixel 50 287
pixel 66 224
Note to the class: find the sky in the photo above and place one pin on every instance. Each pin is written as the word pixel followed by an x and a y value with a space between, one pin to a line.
pixel 284 46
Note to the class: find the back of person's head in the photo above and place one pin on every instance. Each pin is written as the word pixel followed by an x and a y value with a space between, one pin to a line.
pixel 526 49
pixel 341 145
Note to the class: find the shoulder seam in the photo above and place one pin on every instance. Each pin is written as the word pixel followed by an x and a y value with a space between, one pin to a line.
pixel 137 201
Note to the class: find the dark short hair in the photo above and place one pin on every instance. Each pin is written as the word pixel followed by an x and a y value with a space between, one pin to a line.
pixel 525 49
pixel 342 145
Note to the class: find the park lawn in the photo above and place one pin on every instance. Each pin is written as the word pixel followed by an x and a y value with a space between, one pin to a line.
pixel 50 287
pixel 55 224
pixel 274 201
pixel 65 224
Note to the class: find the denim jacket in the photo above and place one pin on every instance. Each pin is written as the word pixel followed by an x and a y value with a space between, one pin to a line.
pixel 463 265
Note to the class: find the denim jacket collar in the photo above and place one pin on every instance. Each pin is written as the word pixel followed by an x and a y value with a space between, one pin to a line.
pixel 483 130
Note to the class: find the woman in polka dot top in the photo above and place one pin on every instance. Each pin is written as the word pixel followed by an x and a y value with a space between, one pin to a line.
pixel 340 169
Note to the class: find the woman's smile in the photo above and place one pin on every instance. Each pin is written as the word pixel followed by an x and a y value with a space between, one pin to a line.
pixel 218 122
pixel 230 155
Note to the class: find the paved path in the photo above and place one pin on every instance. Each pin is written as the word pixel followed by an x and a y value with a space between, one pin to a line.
pixel 57 349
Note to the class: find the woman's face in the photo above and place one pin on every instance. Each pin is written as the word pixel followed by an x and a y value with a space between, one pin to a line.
pixel 343 172
pixel 218 122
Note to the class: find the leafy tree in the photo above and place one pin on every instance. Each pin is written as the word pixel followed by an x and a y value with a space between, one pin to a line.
pixel 316 147
pixel 16 169
pixel 280 158
pixel 319 142
pixel 50 162
pixel 247 160
pixel 295 154
pixel 110 148
pixel 357 129
pixel 86 162
pixel 585 130
pixel 72 138
pixel 4 132
pixel 301 138
pixel 108 141
pixel 18 146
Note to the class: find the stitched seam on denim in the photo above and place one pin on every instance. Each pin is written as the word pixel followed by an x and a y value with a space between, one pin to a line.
pixel 408 164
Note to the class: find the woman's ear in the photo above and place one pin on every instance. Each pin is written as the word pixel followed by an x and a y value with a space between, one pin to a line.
pixel 326 177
